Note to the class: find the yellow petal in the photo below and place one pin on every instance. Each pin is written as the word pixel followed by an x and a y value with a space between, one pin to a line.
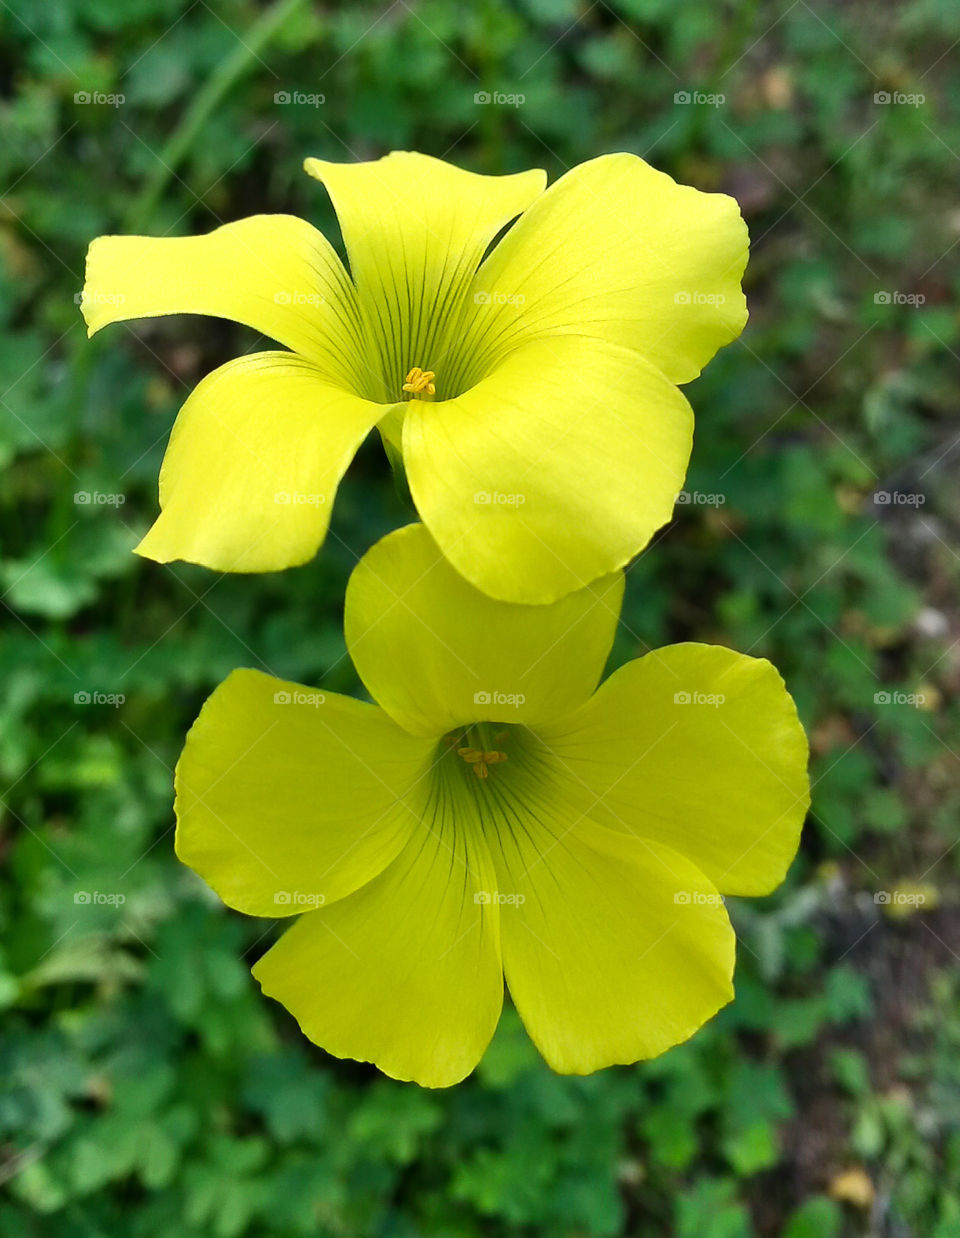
pixel 274 273
pixel 289 798
pixel 436 653
pixel 415 229
pixel 618 251
pixel 253 464
pixel 614 949
pixel 698 748
pixel 554 469
pixel 406 972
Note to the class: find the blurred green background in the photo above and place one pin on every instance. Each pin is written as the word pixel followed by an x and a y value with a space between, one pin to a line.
pixel 145 1087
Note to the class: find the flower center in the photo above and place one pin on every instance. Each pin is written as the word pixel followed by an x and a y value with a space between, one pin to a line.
pixel 480 746
pixel 480 761
pixel 419 382
pixel 494 774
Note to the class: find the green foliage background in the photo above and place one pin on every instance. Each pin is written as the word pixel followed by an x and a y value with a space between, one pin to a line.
pixel 145 1087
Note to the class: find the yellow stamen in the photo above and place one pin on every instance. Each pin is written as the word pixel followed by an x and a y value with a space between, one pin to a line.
pixel 481 761
pixel 420 381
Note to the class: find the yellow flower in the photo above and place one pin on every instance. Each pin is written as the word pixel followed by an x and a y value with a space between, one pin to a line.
pixel 531 393
pixel 495 815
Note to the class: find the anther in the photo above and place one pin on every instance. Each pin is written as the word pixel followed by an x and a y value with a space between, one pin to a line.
pixel 481 761
pixel 420 382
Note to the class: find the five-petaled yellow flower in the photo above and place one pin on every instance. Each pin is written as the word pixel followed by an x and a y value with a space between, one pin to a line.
pixel 531 393
pixel 495 815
